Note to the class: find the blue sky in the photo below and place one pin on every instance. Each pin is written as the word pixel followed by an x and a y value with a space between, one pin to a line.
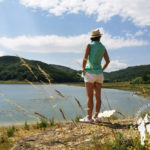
pixel 57 31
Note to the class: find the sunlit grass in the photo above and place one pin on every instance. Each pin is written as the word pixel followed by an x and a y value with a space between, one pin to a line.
pixel 140 89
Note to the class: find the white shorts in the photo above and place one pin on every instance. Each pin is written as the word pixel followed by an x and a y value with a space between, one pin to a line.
pixel 89 77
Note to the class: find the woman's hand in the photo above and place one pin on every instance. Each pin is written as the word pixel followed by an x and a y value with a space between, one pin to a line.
pixel 83 71
pixel 107 61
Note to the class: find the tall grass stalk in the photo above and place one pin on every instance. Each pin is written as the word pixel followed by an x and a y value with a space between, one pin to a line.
pixel 44 85
pixel 59 93
pixel 62 113
pixel 12 117
pixel 45 74
pixel 80 106
pixel 21 109
pixel 42 93
pixel 27 66
pixel 107 100
pixel 42 116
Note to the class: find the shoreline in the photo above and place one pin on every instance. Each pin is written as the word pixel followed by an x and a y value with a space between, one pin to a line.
pixel 142 90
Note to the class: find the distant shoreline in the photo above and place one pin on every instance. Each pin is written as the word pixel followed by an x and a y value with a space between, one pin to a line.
pixel 139 89
pixel 25 82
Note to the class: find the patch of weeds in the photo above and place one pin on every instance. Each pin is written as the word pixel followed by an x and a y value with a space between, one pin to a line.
pixel 77 118
pixel 51 121
pixel 5 143
pixel 6 146
pixel 3 139
pixel 26 126
pixel 121 143
pixel 10 131
pixel 113 117
pixel 37 125
pixel 144 113
pixel 43 123
pixel 96 143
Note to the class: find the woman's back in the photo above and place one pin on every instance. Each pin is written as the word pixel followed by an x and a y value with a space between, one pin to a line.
pixel 96 54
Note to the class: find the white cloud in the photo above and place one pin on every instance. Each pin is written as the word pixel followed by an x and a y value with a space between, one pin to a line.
pixel 1 0
pixel 136 10
pixel 136 34
pixel 45 44
pixel 139 33
pixel 116 42
pixel 73 44
pixel 116 65
pixel 2 53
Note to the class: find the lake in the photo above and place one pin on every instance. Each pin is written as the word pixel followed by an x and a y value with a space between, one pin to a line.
pixel 18 102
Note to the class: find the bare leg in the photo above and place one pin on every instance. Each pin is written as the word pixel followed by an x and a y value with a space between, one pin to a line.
pixel 97 94
pixel 89 94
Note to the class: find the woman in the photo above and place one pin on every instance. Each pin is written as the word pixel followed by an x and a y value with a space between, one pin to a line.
pixel 93 74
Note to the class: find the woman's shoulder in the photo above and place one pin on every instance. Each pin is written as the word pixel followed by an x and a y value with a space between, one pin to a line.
pixel 102 44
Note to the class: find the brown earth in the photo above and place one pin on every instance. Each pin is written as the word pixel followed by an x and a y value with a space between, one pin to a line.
pixel 75 136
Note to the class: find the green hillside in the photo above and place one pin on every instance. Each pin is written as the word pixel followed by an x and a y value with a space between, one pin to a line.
pixel 11 68
pixel 135 74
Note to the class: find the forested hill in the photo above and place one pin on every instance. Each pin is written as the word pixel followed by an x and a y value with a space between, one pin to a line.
pixel 135 74
pixel 11 68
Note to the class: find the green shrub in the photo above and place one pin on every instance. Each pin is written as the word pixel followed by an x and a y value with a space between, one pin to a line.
pixel 137 80
pixel 121 143
pixel 10 131
pixel 77 118
pixel 51 121
pixel 26 126
pixel 3 139
pixel 144 113
pixel 113 117
pixel 43 123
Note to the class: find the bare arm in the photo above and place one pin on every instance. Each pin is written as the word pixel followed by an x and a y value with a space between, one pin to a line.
pixel 107 61
pixel 87 51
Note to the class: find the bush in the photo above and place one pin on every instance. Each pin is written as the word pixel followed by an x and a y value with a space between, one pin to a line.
pixel 113 117
pixel 144 113
pixel 3 139
pixel 43 123
pixel 122 143
pixel 77 118
pixel 10 131
pixel 26 126
pixel 51 121
pixel 137 80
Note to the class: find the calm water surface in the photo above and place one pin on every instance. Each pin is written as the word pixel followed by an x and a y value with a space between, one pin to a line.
pixel 18 102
